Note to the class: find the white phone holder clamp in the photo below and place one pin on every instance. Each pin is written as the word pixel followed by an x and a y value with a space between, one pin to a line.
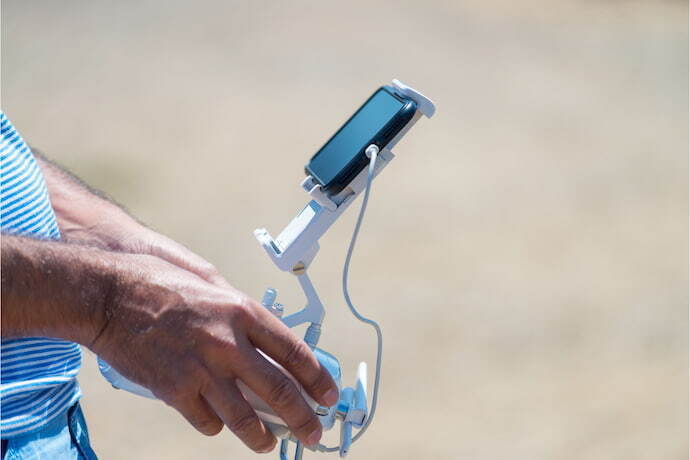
pixel 294 249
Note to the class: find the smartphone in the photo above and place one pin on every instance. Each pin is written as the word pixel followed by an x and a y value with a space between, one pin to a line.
pixel 377 122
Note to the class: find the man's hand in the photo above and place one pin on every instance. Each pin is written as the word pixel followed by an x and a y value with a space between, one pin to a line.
pixel 188 341
pixel 182 337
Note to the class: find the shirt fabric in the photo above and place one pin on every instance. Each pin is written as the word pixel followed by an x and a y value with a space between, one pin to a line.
pixel 38 375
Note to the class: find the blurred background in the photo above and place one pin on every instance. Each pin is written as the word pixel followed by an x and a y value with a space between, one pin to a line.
pixel 526 253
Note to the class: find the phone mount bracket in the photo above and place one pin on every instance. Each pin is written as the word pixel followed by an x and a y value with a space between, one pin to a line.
pixel 296 246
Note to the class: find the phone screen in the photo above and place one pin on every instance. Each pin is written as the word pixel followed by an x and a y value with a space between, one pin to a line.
pixel 347 143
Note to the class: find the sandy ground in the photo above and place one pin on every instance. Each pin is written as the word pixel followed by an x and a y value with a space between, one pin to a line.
pixel 526 252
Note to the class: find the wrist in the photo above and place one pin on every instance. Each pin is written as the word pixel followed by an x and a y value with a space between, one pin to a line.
pixel 116 278
pixel 95 285
pixel 136 295
pixel 52 289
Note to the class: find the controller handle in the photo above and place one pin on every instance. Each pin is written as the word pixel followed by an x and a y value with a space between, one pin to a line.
pixel 263 410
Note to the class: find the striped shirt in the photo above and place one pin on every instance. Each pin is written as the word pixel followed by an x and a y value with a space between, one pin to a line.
pixel 38 375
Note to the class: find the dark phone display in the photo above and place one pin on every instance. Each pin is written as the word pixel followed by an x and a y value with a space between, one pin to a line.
pixel 354 136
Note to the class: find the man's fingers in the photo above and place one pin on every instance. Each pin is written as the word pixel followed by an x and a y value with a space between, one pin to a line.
pixel 279 392
pixel 199 415
pixel 277 341
pixel 239 416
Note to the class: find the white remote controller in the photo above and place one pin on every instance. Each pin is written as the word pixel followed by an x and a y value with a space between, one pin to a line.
pixel 263 410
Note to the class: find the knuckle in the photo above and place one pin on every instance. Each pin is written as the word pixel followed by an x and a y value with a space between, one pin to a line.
pixel 321 383
pixel 282 394
pixel 189 385
pixel 224 346
pixel 218 343
pixel 306 426
pixel 243 425
pixel 195 376
pixel 250 304
pixel 208 270
pixel 242 313
pixel 173 396
pixel 295 354
pixel 232 352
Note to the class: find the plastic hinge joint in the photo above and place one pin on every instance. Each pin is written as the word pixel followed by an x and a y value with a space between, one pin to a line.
pixel 316 192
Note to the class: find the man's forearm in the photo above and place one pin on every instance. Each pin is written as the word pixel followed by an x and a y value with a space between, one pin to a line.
pixel 84 215
pixel 53 289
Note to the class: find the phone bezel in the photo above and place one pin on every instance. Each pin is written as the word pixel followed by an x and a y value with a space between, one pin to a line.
pixel 382 137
